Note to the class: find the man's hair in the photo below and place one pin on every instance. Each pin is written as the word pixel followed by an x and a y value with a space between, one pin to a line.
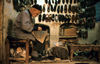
pixel 37 7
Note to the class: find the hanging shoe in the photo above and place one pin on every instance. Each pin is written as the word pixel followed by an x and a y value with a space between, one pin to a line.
pixel 39 18
pixel 61 8
pixel 49 2
pixel 65 8
pixel 53 17
pixel 69 16
pixel 52 1
pixel 66 1
pixel 44 16
pixel 63 1
pixel 69 10
pixel 58 9
pixel 73 9
pixel 44 8
pixel 73 18
pixel 41 8
pixel 56 18
pixel 46 1
pixel 55 7
pixel 47 18
pixel 66 18
pixel 74 1
pixel 35 1
pixel 48 8
pixel 52 8
pixel 50 18
pixel 59 18
pixel 70 1
pixel 56 2
pixel 59 1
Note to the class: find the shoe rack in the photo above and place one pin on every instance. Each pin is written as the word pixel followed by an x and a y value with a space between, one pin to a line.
pixel 56 13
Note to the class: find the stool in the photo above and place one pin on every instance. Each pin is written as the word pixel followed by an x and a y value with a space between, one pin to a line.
pixel 16 40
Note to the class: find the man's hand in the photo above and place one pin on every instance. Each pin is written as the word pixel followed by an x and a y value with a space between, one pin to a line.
pixel 39 28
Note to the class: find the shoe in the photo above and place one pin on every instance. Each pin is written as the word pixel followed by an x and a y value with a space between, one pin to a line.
pixel 52 1
pixel 44 8
pixel 74 1
pixel 52 8
pixel 59 1
pixel 49 2
pixel 46 1
pixel 53 17
pixel 50 18
pixel 56 18
pixel 70 1
pixel 73 9
pixel 65 8
pixel 59 18
pixel 63 1
pixel 66 18
pixel 56 2
pixel 48 9
pixel 41 8
pixel 35 1
pixel 61 8
pixel 39 18
pixel 62 18
pixel 76 19
pixel 69 10
pixel 58 9
pixel 73 18
pixel 69 16
pixel 47 18
pixel 55 7
pixel 67 1
pixel 44 16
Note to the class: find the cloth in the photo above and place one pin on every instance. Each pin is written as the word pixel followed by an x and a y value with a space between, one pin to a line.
pixel 40 35
pixel 23 25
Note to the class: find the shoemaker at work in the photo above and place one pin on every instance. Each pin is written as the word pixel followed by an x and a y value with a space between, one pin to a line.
pixel 23 26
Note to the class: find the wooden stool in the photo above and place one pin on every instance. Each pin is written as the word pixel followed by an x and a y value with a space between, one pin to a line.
pixel 16 40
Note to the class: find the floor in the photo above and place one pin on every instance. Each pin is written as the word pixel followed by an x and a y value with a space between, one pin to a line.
pixel 59 61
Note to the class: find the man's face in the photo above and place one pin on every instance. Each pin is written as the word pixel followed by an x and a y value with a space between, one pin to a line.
pixel 35 12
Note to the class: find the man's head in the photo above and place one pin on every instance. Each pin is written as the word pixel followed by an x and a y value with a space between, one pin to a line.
pixel 35 10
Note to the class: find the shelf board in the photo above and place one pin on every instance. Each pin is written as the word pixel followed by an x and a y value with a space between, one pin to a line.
pixel 68 36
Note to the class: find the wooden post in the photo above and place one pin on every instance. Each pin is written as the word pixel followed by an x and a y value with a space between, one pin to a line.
pixel 7 51
pixel 27 51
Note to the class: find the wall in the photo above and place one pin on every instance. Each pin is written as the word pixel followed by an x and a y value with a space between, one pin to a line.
pixel 54 28
pixel 1 20
pixel 9 16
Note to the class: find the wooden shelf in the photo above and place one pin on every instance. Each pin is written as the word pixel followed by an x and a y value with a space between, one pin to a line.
pixel 68 36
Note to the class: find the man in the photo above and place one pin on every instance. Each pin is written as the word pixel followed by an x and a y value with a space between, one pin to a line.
pixel 23 26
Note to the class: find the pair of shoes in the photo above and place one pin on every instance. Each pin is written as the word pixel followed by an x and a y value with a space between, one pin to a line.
pixel 48 18
pixel 53 9
pixel 60 9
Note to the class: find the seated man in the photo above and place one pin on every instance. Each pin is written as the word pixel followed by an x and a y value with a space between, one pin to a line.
pixel 23 26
